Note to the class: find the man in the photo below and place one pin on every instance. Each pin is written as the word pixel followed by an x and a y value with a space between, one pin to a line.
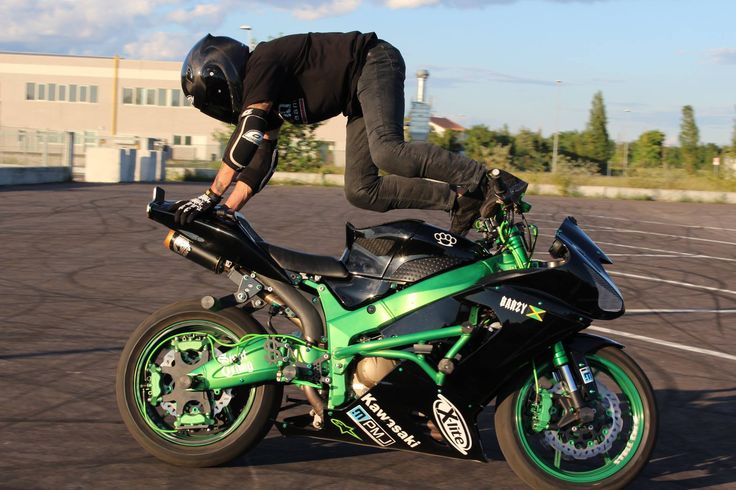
pixel 308 78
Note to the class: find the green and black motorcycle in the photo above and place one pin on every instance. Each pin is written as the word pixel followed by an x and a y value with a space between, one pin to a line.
pixel 399 344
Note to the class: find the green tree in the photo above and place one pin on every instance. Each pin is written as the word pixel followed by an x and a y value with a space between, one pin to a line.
pixel 299 149
pixel 689 139
pixel 530 151
pixel 732 149
pixel 598 147
pixel 708 152
pixel 572 145
pixel 672 157
pixel 479 140
pixel 647 151
pixel 448 139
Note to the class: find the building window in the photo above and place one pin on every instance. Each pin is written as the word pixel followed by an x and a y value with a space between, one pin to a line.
pixel 188 140
pixel 175 98
pixel 138 96
pixel 177 139
pixel 162 96
pixel 187 101
pixel 82 93
pixel 30 91
pixel 150 97
pixel 93 94
pixel 127 96
pixel 72 93
pixel 62 92
pixel 41 92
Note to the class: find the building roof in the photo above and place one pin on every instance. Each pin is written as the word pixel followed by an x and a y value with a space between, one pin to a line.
pixel 445 123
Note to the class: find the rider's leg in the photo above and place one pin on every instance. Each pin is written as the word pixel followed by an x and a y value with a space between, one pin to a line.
pixel 365 189
pixel 381 95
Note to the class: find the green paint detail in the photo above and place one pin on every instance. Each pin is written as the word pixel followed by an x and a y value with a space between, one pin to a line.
pixel 611 465
pixel 242 365
pixel 368 348
pixel 345 428
pixel 165 340
pixel 344 326
pixel 156 388
pixel 560 357
pixel 192 345
pixel 541 413
pixel 193 419
pixel 536 313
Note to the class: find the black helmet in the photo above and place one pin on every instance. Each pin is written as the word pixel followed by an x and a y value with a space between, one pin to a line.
pixel 212 76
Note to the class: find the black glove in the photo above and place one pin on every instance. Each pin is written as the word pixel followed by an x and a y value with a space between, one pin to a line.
pixel 186 211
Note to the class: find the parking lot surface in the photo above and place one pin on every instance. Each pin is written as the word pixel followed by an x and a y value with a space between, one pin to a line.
pixel 81 266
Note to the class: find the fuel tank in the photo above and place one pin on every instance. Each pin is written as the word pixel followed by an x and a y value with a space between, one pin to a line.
pixel 406 251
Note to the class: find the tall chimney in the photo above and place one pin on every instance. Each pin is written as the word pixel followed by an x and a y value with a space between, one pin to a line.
pixel 422 76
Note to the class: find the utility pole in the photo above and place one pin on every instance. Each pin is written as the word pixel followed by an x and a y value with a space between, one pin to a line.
pixel 626 145
pixel 249 30
pixel 556 140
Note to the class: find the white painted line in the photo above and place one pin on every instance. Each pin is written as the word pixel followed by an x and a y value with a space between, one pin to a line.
pixel 668 256
pixel 665 343
pixel 644 232
pixel 677 283
pixel 637 247
pixel 697 227
pixel 619 230
pixel 677 310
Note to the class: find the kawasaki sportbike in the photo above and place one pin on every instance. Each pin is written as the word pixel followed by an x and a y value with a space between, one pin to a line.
pixel 399 344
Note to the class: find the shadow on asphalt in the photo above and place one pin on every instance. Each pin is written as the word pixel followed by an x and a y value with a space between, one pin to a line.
pixel 694 447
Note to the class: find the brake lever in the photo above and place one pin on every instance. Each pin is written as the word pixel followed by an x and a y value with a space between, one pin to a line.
pixel 225 213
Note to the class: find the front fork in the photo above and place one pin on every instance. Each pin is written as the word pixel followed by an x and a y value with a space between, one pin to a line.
pixel 579 389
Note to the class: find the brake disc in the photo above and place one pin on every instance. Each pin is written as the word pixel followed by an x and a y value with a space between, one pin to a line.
pixel 595 440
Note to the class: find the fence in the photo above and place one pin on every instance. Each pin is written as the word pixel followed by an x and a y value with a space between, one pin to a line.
pixel 43 148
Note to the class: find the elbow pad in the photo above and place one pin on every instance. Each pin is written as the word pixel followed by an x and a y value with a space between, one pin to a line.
pixel 246 139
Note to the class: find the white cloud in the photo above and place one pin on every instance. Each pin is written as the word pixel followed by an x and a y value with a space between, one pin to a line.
pixel 723 56
pixel 326 9
pixel 160 46
pixel 409 4
pixel 203 13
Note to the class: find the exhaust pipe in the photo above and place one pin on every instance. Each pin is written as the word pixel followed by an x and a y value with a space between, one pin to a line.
pixel 180 244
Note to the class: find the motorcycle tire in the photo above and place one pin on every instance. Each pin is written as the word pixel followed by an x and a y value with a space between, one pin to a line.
pixel 532 455
pixel 155 339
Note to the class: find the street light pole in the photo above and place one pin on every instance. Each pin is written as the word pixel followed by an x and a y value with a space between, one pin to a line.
pixel 556 140
pixel 249 30
pixel 626 145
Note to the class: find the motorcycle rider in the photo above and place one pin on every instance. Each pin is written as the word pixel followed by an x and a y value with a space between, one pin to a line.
pixel 308 78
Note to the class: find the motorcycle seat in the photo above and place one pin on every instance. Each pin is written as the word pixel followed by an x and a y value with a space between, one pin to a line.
pixel 319 265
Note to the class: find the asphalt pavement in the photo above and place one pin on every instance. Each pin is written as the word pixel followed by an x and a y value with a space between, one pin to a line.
pixel 81 266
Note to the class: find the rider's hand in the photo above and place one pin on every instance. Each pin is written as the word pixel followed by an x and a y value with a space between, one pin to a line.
pixel 186 211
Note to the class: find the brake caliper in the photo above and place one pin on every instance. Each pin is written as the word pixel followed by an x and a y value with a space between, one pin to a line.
pixel 541 414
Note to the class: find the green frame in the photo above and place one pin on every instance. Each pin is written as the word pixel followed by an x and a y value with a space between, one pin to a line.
pixel 344 327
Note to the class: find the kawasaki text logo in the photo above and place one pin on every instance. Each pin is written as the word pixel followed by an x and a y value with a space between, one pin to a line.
pixel 452 424
pixel 366 421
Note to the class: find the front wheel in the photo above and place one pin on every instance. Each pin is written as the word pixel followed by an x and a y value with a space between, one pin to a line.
pixel 607 452
pixel 182 426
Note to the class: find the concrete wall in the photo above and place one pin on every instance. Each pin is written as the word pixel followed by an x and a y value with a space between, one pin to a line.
pixel 34 175
pixel 124 165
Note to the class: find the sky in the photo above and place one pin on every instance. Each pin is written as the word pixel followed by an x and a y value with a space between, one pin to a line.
pixel 491 62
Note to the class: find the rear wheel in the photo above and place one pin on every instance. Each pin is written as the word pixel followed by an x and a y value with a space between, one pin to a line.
pixel 606 452
pixel 182 426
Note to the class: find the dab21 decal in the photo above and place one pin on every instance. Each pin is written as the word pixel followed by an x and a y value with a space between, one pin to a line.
pixel 522 308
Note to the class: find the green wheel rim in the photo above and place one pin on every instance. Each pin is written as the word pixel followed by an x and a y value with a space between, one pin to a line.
pixel 152 348
pixel 616 462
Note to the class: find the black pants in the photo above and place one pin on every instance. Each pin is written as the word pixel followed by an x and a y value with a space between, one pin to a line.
pixel 420 173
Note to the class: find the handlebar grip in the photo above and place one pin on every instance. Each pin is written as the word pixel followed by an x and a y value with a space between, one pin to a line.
pixel 498 186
